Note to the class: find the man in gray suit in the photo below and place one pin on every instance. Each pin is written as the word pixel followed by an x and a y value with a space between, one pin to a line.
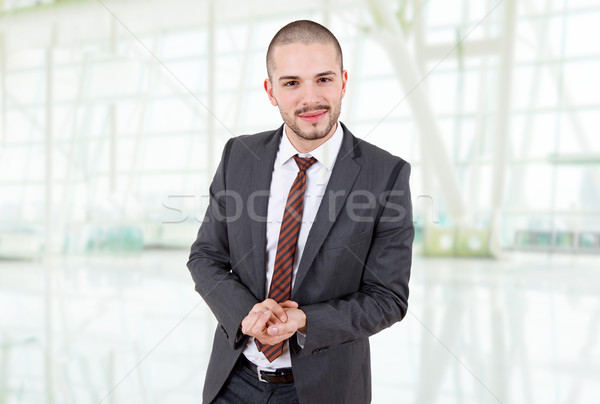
pixel 305 250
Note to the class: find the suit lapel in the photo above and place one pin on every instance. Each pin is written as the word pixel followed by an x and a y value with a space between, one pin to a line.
pixel 340 184
pixel 263 172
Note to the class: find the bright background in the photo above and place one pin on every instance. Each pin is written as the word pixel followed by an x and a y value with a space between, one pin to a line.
pixel 113 115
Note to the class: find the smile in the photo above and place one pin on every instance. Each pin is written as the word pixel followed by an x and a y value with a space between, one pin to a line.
pixel 313 116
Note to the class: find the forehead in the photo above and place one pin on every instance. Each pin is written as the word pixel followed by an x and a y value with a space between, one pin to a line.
pixel 304 59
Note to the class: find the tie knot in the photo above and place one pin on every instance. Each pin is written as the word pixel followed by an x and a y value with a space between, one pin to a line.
pixel 304 163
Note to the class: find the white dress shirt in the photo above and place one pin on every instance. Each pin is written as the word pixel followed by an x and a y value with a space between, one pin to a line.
pixel 285 171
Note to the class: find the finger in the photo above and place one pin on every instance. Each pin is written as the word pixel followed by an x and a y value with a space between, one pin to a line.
pixel 279 332
pixel 280 329
pixel 276 309
pixel 273 340
pixel 261 322
pixel 259 308
pixel 289 304
pixel 249 321
pixel 273 331
pixel 274 319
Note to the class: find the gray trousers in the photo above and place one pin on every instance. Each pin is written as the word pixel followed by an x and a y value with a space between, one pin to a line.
pixel 244 387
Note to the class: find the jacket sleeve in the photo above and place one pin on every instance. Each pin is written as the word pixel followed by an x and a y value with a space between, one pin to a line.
pixel 382 298
pixel 210 265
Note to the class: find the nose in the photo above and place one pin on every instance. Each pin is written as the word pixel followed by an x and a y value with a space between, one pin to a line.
pixel 310 94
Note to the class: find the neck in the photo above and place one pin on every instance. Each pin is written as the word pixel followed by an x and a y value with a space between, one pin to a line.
pixel 307 145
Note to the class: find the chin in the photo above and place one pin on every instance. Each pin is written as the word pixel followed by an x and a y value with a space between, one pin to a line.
pixel 309 132
pixel 313 135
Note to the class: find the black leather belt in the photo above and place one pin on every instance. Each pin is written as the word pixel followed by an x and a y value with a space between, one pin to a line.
pixel 283 375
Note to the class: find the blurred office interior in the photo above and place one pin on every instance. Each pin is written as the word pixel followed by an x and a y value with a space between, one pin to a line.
pixel 113 115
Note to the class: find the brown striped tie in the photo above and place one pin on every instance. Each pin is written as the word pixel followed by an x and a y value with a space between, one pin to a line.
pixel 281 283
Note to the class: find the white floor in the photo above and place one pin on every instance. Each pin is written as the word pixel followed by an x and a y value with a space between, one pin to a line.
pixel 131 329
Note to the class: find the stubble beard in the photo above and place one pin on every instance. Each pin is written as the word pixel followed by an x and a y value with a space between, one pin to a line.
pixel 314 134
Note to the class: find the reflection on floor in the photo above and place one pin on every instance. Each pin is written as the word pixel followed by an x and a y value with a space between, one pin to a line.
pixel 131 329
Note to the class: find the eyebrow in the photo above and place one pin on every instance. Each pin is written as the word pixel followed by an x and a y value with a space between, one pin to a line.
pixel 327 73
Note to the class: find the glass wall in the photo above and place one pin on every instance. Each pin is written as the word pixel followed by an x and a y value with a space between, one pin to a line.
pixel 112 126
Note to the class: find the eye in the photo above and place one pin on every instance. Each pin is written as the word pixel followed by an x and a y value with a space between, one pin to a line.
pixel 290 83
pixel 324 79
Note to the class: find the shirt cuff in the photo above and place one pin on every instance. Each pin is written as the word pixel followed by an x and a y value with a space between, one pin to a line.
pixel 300 339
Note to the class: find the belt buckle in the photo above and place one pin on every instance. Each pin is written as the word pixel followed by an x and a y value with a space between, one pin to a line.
pixel 258 370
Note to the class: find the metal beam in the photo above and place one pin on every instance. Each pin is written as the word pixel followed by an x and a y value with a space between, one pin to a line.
pixel 427 177
pixel 391 36
pixel 112 163
pixel 475 160
pixel 503 117
pixel 48 140
pixel 210 77
pixel 49 247
pixel 3 110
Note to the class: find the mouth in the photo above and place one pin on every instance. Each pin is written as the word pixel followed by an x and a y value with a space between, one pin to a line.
pixel 313 116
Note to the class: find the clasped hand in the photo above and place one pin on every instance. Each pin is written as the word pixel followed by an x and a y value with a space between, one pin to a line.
pixel 271 322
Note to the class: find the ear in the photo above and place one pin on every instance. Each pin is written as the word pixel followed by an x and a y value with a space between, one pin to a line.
pixel 344 81
pixel 269 90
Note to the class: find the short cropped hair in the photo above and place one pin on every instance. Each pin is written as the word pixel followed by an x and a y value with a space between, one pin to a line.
pixel 305 32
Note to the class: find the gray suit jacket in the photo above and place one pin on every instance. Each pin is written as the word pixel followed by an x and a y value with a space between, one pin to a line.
pixel 352 279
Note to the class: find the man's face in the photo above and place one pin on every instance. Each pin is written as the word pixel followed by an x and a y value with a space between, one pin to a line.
pixel 307 85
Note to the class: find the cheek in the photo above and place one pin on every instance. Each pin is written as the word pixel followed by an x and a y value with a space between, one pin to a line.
pixel 335 95
pixel 286 104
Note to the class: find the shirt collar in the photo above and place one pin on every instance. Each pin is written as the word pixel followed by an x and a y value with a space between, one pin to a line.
pixel 325 154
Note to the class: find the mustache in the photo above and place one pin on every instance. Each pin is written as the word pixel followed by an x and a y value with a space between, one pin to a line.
pixel 313 108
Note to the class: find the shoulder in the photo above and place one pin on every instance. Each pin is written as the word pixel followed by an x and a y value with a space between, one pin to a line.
pixel 370 156
pixel 377 155
pixel 252 143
